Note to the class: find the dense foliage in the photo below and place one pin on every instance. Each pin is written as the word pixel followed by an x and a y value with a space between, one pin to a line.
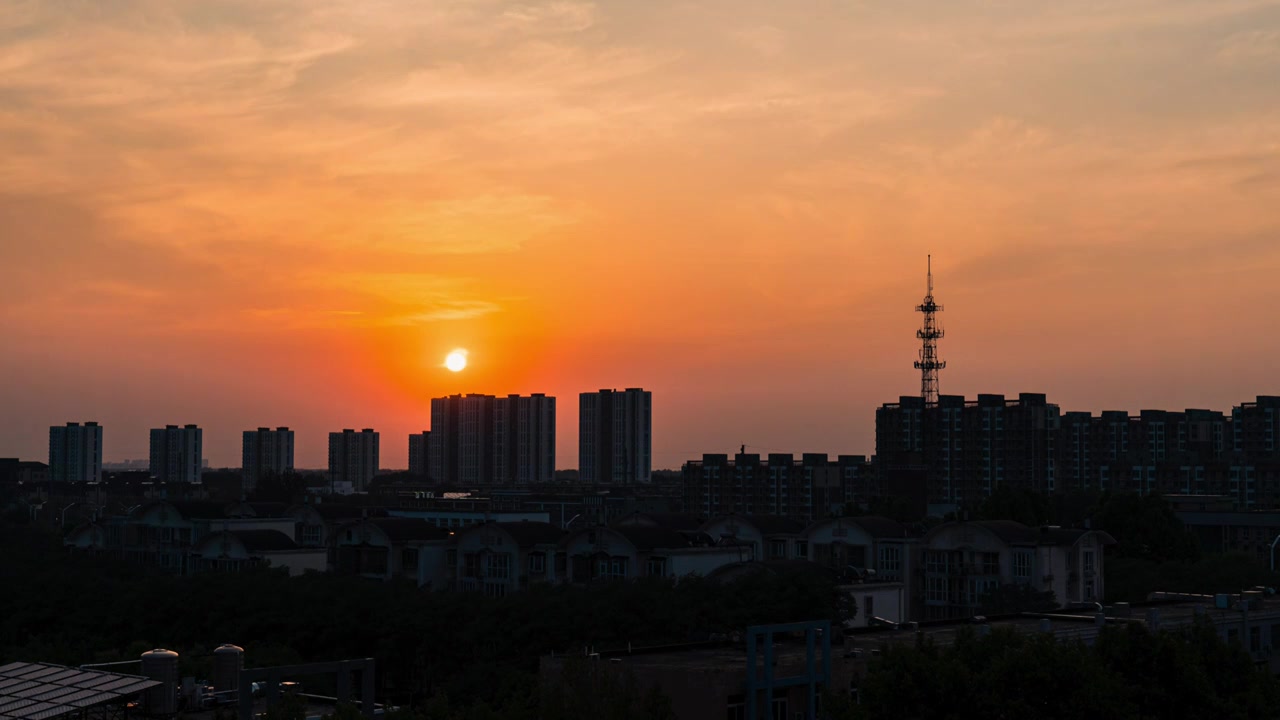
pixel 1128 673
pixel 449 648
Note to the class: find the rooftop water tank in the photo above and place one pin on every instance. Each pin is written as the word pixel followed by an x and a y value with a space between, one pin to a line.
pixel 162 666
pixel 228 661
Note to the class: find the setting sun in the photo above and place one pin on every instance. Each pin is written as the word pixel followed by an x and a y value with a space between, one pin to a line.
pixel 456 360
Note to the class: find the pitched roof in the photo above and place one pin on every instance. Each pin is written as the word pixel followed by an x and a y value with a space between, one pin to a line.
pixel 269 509
pixel 652 538
pixel 199 509
pixel 775 525
pixel 264 540
pixel 1014 533
pixel 881 527
pixel 528 532
pixel 408 529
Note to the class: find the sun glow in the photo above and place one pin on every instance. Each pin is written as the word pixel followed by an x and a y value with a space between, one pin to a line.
pixel 456 361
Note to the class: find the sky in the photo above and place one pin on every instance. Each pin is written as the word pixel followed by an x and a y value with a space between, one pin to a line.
pixel 249 213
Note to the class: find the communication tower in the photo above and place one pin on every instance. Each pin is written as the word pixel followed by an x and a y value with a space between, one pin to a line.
pixel 929 334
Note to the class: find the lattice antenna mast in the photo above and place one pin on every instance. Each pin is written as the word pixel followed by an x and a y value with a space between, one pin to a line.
pixel 929 334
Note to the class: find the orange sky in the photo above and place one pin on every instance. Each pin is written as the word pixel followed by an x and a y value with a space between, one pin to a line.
pixel 245 213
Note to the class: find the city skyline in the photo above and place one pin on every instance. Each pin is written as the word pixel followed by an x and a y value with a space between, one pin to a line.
pixel 288 215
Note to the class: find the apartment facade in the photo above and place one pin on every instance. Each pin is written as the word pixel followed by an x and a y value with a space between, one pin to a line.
pixel 615 436
pixel 419 454
pixel 803 489
pixel 353 459
pixel 265 452
pixel 486 440
pixel 177 453
pixel 75 452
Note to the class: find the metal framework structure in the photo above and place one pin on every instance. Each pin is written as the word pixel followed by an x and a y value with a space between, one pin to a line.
pixel 761 665
pixel 41 691
pixel 929 334
pixel 344 669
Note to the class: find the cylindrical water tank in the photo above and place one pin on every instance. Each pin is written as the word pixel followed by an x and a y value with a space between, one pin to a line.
pixel 228 661
pixel 162 666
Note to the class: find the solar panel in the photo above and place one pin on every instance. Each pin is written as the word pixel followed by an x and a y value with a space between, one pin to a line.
pixel 41 691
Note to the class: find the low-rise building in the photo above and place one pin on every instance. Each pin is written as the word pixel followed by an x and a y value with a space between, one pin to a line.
pixel 387 548
pixel 243 549
pixel 630 552
pixel 770 537
pixel 502 557
pixel 964 561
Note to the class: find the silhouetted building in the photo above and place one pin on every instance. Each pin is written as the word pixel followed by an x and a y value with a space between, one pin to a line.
pixel 265 452
pixel 13 470
pixel 486 440
pixel 963 450
pixel 353 459
pixel 807 489
pixel 966 449
pixel 176 453
pixel 75 452
pixel 419 453
pixel 615 436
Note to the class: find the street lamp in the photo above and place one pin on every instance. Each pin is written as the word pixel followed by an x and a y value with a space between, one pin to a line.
pixel 1273 553
pixel 570 520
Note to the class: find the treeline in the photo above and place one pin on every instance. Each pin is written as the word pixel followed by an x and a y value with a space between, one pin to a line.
pixel 465 652
pixel 1127 673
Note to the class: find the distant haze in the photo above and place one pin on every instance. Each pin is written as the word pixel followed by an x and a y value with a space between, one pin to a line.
pixel 241 213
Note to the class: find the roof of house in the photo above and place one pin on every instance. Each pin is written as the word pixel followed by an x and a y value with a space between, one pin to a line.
pixel 268 509
pixel 408 529
pixel 528 532
pixel 264 540
pixel 776 525
pixel 199 509
pixel 647 538
pixel 1014 533
pixel 881 527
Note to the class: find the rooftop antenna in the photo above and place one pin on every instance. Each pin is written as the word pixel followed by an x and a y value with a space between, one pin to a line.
pixel 929 334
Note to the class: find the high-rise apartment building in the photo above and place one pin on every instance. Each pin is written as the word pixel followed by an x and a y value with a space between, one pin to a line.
pixel 75 452
pixel 266 452
pixel 964 450
pixel 176 453
pixel 353 459
pixel 487 440
pixel 807 489
pixel 419 454
pixel 615 436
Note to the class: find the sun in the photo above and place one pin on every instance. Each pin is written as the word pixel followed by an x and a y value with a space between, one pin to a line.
pixel 456 361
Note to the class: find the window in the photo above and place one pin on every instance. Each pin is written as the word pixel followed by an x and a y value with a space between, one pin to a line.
pixel 936 590
pixel 802 549
pixel 1088 562
pixel 310 534
pixel 656 567
pixel 497 566
pixel 777 549
pixel 409 559
pixel 1022 565
pixel 472 564
pixel 935 562
pixel 990 563
pixel 890 566
pixel 779 709
pixel 537 563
